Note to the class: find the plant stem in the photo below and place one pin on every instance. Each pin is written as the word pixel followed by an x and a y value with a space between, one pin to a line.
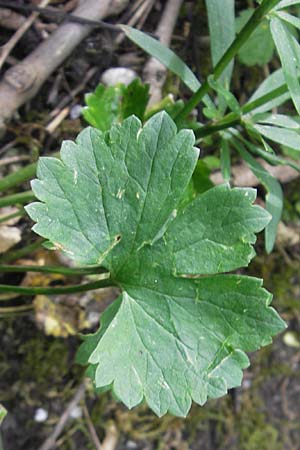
pixel 226 122
pixel 15 309
pixel 239 41
pixel 231 119
pixel 24 251
pixel 57 290
pixel 92 270
pixel 11 216
pixel 16 178
pixel 16 199
pixel 248 107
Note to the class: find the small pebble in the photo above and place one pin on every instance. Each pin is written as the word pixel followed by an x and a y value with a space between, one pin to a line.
pixel 115 75
pixel 247 384
pixel 131 444
pixel 41 415
pixel 76 412
pixel 93 318
pixel 75 112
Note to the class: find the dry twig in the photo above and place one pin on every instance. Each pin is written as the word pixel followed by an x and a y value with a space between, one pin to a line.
pixel 10 19
pixel 155 72
pixel 21 82
pixel 7 48
pixel 51 440
pixel 91 428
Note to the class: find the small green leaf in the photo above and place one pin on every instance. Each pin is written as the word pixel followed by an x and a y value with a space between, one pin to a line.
pixel 259 47
pixel 113 104
pixel 274 196
pixel 116 199
pixel 289 53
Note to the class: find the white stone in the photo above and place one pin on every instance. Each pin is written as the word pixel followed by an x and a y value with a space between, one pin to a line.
pixel 76 412
pixel 41 415
pixel 116 75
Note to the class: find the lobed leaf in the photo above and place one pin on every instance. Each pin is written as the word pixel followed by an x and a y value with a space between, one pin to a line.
pixel 115 198
pixel 112 104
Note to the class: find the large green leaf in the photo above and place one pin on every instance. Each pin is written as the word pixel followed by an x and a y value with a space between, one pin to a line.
pixel 112 104
pixel 289 53
pixel 115 199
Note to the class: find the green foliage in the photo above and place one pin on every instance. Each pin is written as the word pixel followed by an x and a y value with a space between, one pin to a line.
pixel 130 195
pixel 3 413
pixel 274 196
pixel 113 199
pixel 289 53
pixel 167 57
pixel 259 48
pixel 164 55
pixel 113 104
pixel 221 29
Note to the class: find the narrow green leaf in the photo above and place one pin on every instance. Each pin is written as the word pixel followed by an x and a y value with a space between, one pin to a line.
pixel 273 82
pixel 225 160
pixel 167 57
pixel 222 33
pixel 292 20
pixel 269 155
pixel 284 136
pixel 286 4
pixel 274 196
pixel 289 53
pixel 278 120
